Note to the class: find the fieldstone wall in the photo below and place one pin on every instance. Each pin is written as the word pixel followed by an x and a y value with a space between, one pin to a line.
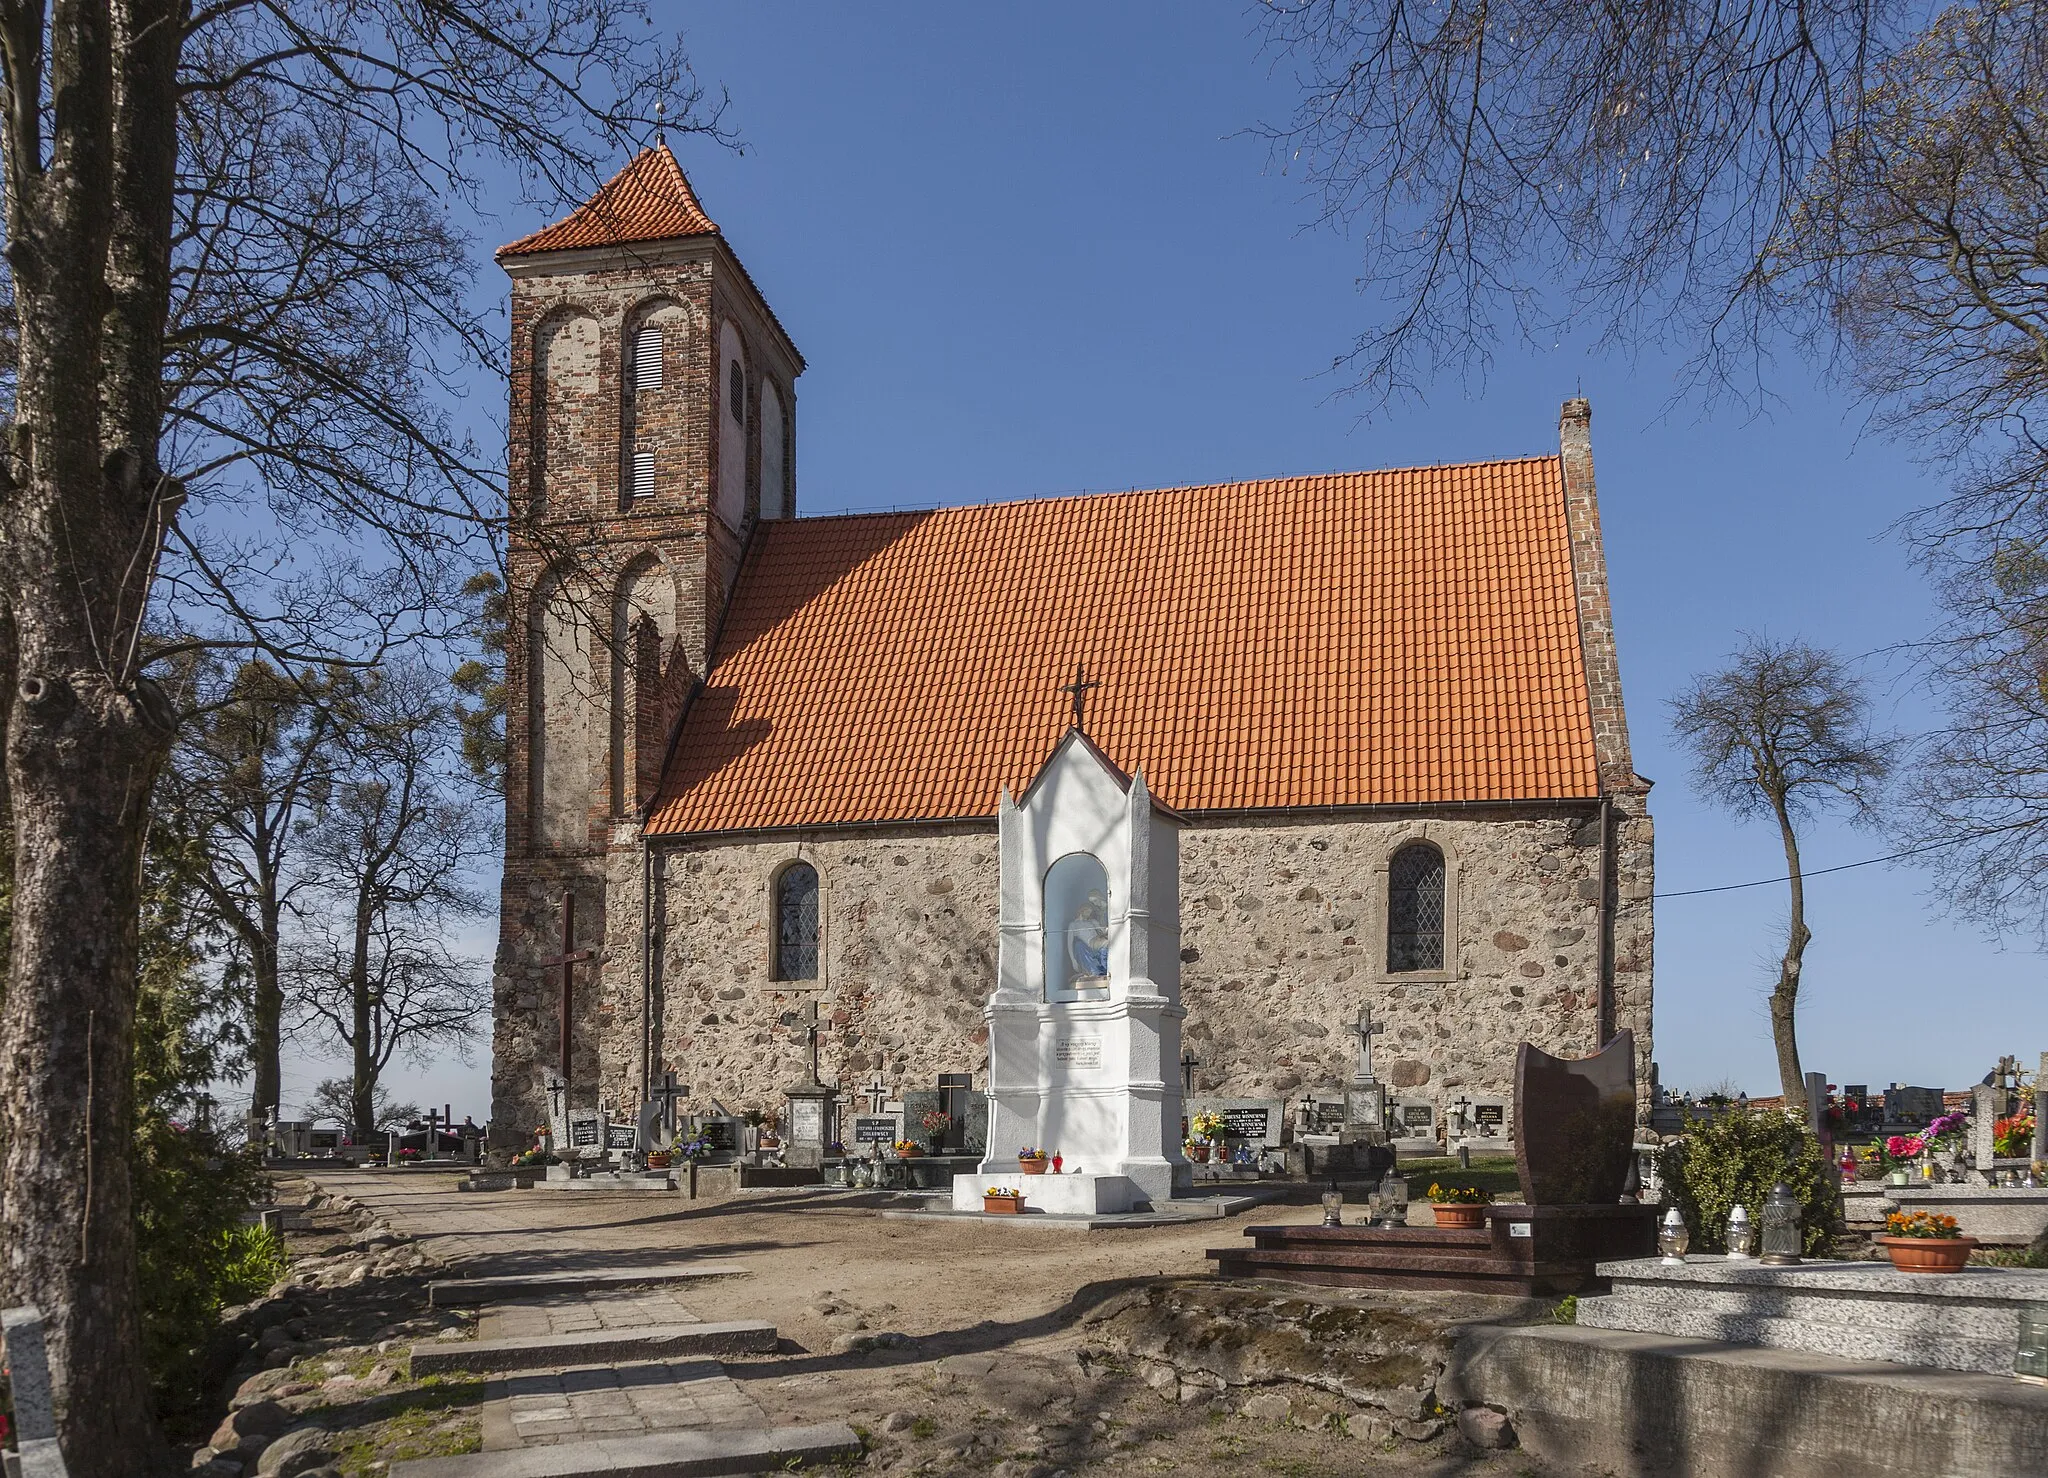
pixel 1283 941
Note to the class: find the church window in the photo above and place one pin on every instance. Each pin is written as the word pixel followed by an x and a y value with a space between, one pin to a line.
pixel 1076 929
pixel 643 474
pixel 736 391
pixel 796 922
pixel 647 358
pixel 1415 909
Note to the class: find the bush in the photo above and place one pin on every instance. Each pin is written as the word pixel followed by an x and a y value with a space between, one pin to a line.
pixel 1735 1160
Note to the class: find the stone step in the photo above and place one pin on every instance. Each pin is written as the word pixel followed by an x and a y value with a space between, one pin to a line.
pixel 1420 1270
pixel 453 1293
pixel 598 1347
pixel 656 1455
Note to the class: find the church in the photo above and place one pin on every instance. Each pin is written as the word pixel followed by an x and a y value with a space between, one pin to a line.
pixel 754 758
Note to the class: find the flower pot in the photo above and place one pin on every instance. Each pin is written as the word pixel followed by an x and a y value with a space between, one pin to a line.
pixel 1002 1205
pixel 1199 1154
pixel 1928 1254
pixel 909 1154
pixel 1033 1166
pixel 657 1160
pixel 1460 1218
pixel 1897 1177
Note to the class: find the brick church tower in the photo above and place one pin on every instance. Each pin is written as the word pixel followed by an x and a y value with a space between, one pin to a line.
pixel 652 427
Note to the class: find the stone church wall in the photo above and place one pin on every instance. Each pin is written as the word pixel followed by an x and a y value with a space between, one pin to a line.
pixel 1283 929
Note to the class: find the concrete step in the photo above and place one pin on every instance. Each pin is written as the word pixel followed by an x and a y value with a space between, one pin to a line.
pixel 455 1293
pixel 657 1455
pixel 598 1347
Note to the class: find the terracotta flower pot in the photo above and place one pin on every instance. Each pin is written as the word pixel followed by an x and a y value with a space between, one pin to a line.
pixel 909 1154
pixel 1199 1154
pixel 1460 1218
pixel 1003 1205
pixel 1033 1166
pixel 656 1160
pixel 1928 1254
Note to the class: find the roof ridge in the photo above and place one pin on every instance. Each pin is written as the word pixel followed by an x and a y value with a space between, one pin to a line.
pixel 1043 500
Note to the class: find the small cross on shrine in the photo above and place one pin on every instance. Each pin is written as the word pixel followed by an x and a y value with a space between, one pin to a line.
pixel 569 959
pixel 878 1094
pixel 1365 1029
pixel 1188 1063
pixel 1079 689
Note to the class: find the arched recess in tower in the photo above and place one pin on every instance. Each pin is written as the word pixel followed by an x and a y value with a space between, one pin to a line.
pixel 561 707
pixel 643 645
pixel 732 427
pixel 651 399
pixel 774 467
pixel 565 387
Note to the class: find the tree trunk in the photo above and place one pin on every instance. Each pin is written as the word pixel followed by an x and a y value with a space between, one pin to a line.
pixel 364 1083
pixel 81 757
pixel 1785 998
pixel 266 1017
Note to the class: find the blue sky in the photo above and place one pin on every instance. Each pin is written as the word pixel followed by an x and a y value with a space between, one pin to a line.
pixel 1042 251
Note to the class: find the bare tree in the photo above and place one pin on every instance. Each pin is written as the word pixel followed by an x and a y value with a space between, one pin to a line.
pixel 1784 731
pixel 249 766
pixel 237 300
pixel 392 843
pixel 335 1098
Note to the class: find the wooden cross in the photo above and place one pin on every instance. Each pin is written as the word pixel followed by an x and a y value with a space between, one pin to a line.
pixel 569 959
pixel 1079 689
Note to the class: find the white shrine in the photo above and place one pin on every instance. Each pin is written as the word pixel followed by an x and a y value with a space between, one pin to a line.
pixel 1084 1025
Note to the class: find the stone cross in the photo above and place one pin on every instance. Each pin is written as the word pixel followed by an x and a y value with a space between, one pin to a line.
pixel 434 1122
pixel 1464 1111
pixel 1365 1029
pixel 878 1094
pixel 666 1095
pixel 569 959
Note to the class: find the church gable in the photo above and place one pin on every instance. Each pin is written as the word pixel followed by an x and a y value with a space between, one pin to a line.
pixel 1403 637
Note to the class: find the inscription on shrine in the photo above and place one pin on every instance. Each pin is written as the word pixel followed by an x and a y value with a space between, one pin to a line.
pixel 1078 1051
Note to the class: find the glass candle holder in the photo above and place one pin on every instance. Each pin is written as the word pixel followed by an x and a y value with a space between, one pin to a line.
pixel 1673 1239
pixel 1782 1241
pixel 1333 1208
pixel 1741 1235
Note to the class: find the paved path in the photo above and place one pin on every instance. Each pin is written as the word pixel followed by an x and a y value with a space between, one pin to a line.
pixel 541 1408
pixel 560 1313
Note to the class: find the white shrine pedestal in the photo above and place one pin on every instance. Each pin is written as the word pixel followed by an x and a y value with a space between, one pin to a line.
pixel 1055 1195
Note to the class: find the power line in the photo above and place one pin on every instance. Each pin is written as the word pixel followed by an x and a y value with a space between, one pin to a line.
pixel 1815 872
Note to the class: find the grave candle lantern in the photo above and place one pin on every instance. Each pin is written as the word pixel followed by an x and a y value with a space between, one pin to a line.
pixel 1673 1239
pixel 1333 1205
pixel 1782 1241
pixel 1741 1234
pixel 2030 1362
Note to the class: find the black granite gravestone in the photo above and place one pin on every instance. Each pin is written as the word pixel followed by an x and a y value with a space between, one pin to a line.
pixel 1577 1119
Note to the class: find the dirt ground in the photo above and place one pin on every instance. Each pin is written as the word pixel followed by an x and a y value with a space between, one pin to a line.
pixel 952 1345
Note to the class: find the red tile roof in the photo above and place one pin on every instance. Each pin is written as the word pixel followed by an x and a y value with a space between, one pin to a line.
pixel 1351 639
pixel 649 200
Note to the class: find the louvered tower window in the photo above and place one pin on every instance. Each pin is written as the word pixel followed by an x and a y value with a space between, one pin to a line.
pixel 736 391
pixel 796 922
pixel 647 358
pixel 1415 909
pixel 643 474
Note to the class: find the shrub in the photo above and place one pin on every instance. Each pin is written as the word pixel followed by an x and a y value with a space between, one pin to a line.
pixel 252 1259
pixel 1735 1160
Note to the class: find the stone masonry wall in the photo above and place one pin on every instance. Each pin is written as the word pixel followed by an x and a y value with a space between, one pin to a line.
pixel 1283 932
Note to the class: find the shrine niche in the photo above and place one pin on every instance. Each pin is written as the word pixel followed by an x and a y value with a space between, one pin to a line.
pixel 1077 929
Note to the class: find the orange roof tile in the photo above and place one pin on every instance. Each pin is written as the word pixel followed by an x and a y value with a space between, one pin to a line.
pixel 1351 639
pixel 649 200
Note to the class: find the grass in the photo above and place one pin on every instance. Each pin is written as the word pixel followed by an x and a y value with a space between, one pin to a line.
pixel 1496 1174
pixel 923 1427
pixel 437 1419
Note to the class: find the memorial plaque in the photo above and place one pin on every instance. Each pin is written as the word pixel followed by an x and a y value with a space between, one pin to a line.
pixel 872 1130
pixel 1577 1123
pixel 1252 1121
pixel 720 1136
pixel 621 1136
pixel 583 1131
pixel 807 1121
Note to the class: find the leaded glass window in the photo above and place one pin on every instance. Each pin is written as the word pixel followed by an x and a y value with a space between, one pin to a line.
pixel 1415 909
pixel 796 922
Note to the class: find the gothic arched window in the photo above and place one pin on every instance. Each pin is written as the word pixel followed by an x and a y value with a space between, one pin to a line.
pixel 796 922
pixel 1415 909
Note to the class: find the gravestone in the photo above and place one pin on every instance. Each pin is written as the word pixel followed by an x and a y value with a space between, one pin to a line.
pixel 720 1134
pixel 974 1141
pixel 1986 1108
pixel 1365 1097
pixel 871 1131
pixel 916 1104
pixel 586 1133
pixel 1322 1117
pixel 1486 1125
pixel 620 1136
pixel 1415 1123
pixel 1084 1021
pixel 1253 1121
pixel 1575 1124
pixel 28 1372
pixel 813 1117
pixel 1911 1107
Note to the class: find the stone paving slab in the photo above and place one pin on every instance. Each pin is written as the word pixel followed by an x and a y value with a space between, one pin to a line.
pixel 571 1313
pixel 542 1408
pixel 596 1347
pixel 657 1455
pixel 451 1293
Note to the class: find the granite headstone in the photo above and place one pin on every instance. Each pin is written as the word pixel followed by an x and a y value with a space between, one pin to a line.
pixel 1575 1123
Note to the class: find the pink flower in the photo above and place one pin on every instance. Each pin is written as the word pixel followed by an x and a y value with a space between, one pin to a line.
pixel 1904 1146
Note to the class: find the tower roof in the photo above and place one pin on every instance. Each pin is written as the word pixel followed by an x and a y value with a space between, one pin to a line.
pixel 649 200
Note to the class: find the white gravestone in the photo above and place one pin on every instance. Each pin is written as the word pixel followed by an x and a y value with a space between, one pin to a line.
pixel 1415 1124
pixel 1084 1024
pixel 28 1371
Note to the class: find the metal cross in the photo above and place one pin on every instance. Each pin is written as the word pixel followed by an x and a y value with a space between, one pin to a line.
pixel 1188 1063
pixel 558 1100
pixel 1079 689
pixel 569 959
pixel 1365 1029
